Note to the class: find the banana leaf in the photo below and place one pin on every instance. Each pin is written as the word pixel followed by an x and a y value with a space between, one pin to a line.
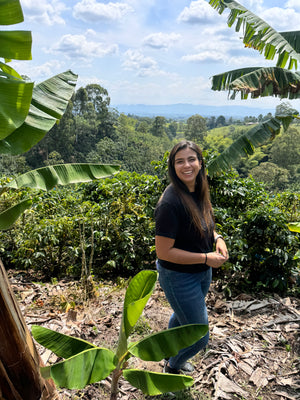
pixel 244 145
pixel 47 178
pixel 49 101
pixel 62 345
pixel 259 82
pixel 167 343
pixel 10 12
pixel 153 383
pixel 15 98
pixel 137 295
pixel 15 45
pixel 89 366
pixel 10 215
pixel 258 34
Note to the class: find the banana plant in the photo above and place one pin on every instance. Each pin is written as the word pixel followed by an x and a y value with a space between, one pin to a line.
pixel 28 112
pixel 84 363
pixel 258 81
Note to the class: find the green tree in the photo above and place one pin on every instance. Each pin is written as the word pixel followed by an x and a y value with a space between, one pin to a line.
pixel 172 129
pixel 271 174
pixel 158 127
pixel 212 122
pixel 196 128
pixel 220 121
pixel 60 138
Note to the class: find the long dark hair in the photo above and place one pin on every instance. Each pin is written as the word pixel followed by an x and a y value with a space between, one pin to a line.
pixel 203 220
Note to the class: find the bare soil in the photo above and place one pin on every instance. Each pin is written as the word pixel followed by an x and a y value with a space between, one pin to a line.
pixel 253 351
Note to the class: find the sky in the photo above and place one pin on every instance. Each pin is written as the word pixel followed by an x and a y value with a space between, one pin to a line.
pixel 153 52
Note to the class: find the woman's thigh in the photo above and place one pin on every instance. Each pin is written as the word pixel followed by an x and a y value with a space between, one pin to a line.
pixel 186 294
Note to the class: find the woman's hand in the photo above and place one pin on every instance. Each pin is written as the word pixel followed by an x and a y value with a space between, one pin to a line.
pixel 215 259
pixel 222 248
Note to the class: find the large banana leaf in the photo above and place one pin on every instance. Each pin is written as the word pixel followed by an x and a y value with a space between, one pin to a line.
pixel 259 82
pixel 10 215
pixel 293 37
pixel 15 93
pixel 47 178
pixel 15 97
pixel 15 45
pixel 258 34
pixel 153 383
pixel 49 101
pixel 167 343
pixel 62 345
pixel 89 366
pixel 10 12
pixel 137 294
pixel 244 145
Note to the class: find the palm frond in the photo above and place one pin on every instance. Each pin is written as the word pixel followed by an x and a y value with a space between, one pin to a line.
pixel 259 34
pixel 244 145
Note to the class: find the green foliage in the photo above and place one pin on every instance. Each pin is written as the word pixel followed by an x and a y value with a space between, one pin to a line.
pixel 119 213
pixel 196 128
pixel 125 227
pixel 86 363
pixel 260 244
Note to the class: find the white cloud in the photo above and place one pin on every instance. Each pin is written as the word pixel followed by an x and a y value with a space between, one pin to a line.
pixel 161 40
pixel 38 73
pixel 79 47
pixel 198 12
pixel 92 11
pixel 136 61
pixel 43 11
pixel 185 90
pixel 205 56
pixel 295 4
pixel 282 19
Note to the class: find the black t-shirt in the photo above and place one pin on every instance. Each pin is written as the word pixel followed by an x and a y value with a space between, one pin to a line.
pixel 174 221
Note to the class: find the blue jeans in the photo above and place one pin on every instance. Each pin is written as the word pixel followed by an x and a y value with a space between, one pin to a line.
pixel 186 294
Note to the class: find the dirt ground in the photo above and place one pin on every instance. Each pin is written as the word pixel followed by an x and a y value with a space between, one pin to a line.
pixel 253 351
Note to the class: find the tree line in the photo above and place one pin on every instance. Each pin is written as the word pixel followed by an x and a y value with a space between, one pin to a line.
pixel 92 131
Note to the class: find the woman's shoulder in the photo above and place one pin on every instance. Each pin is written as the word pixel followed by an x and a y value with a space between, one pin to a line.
pixel 169 196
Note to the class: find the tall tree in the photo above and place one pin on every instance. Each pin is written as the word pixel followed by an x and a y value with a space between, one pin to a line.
pixel 220 121
pixel 158 126
pixel 196 128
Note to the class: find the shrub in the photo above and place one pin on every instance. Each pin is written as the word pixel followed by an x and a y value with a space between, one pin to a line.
pixel 261 247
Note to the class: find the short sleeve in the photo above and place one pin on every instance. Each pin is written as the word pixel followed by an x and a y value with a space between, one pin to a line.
pixel 166 222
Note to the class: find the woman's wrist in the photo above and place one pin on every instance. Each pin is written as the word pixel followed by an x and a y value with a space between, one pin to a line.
pixel 205 258
pixel 218 237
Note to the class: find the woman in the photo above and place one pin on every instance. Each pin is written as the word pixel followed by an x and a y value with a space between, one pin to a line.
pixel 184 241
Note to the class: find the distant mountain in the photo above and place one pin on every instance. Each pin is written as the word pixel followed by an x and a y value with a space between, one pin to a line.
pixel 183 111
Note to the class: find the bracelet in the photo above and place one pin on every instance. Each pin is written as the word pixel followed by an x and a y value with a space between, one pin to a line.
pixel 219 237
pixel 205 258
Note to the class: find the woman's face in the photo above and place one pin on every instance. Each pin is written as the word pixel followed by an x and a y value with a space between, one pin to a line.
pixel 187 166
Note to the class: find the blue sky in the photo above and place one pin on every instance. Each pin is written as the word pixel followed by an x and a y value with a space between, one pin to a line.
pixel 146 51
